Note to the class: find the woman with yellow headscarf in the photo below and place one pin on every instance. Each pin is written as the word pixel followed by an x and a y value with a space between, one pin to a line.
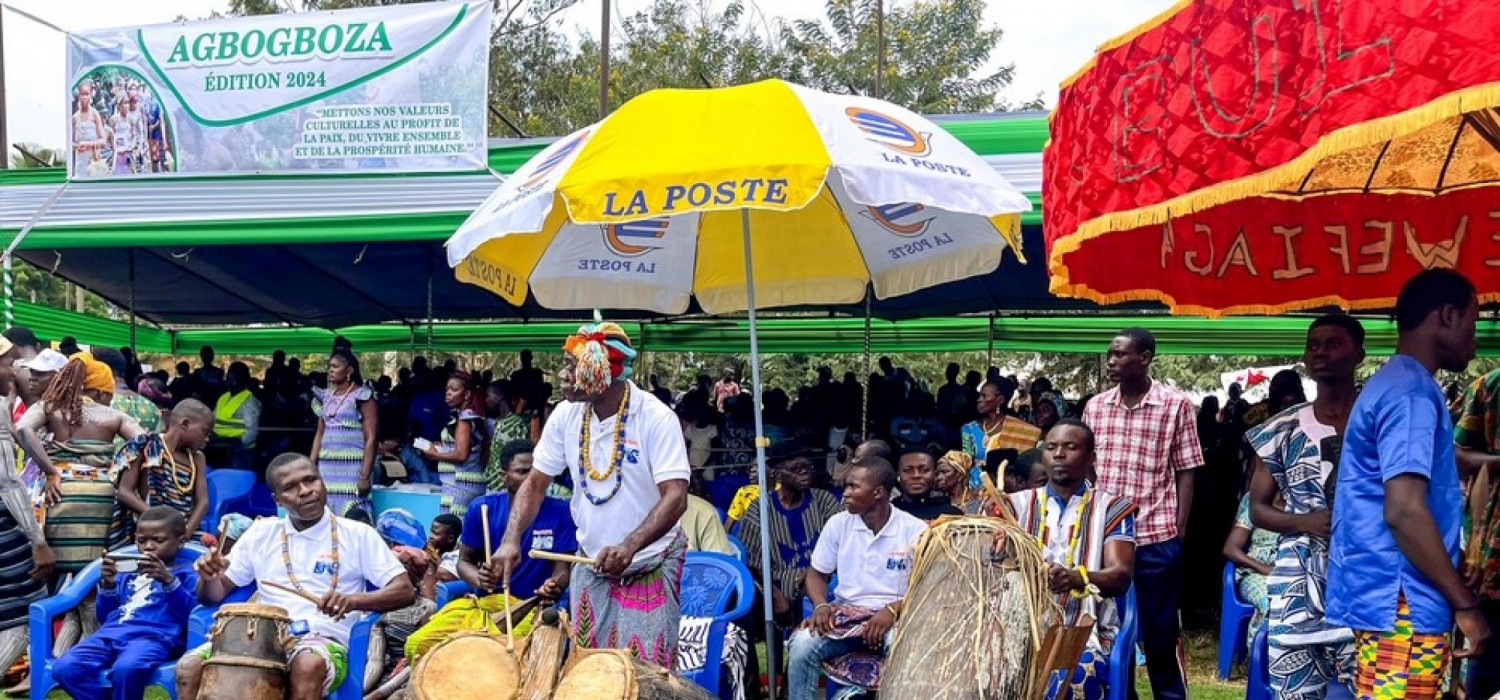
pixel 76 455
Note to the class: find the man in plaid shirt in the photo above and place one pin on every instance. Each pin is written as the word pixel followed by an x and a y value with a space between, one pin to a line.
pixel 1148 447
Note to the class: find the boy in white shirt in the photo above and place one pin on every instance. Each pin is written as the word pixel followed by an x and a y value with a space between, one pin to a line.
pixel 869 547
pixel 310 550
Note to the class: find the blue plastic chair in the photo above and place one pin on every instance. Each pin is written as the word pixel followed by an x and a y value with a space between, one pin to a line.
pixel 202 620
pixel 228 492
pixel 451 591
pixel 1122 656
pixel 43 612
pixel 1258 675
pixel 740 552
pixel 1234 624
pixel 717 586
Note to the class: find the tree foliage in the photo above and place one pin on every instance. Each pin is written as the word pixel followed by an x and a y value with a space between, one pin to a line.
pixel 545 81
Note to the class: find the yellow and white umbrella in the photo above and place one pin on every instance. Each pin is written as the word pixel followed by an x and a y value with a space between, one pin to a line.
pixel 644 209
pixel 690 193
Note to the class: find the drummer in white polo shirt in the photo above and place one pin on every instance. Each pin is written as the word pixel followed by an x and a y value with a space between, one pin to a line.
pixel 332 559
pixel 869 547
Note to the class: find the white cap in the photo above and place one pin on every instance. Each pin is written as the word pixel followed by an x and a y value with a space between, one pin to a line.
pixel 48 360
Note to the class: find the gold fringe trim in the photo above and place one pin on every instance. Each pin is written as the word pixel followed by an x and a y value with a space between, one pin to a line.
pixel 1127 37
pixel 1354 136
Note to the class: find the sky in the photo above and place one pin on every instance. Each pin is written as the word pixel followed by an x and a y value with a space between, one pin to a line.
pixel 1045 41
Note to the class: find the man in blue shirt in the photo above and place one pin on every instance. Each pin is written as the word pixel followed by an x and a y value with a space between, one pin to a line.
pixel 1398 508
pixel 551 531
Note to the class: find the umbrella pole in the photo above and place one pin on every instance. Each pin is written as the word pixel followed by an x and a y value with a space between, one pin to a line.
pixel 760 461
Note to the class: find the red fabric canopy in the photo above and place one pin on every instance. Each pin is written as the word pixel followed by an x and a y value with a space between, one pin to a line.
pixel 1258 157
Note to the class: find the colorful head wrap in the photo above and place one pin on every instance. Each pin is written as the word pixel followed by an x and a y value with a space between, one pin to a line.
pixel 1059 403
pixel 604 356
pixel 96 374
pixel 961 461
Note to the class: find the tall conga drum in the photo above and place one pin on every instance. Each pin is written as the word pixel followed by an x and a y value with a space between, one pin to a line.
pixel 616 674
pixel 972 624
pixel 249 643
pixel 468 666
pixel 546 651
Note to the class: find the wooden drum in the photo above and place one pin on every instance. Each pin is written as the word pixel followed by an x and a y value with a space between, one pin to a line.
pixel 468 666
pixel 972 624
pixel 616 674
pixel 546 650
pixel 248 662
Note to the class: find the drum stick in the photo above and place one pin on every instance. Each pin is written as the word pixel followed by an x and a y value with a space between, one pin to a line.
pixel 510 626
pixel 566 558
pixel 288 589
pixel 484 517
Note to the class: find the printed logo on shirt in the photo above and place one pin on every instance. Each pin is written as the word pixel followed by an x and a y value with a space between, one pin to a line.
pixel 542 539
pixel 896 561
pixel 323 567
pixel 633 456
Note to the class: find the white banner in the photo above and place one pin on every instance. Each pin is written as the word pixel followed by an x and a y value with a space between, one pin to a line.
pixel 400 88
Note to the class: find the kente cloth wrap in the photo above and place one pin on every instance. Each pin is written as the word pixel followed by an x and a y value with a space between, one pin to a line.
pixel 604 356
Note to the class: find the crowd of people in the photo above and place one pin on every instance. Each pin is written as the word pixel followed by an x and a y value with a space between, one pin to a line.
pixel 1347 537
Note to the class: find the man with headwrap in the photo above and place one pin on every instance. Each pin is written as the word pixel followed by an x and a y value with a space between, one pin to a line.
pixel 630 469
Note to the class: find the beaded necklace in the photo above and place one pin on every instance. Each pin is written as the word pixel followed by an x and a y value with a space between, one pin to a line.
pixel 586 471
pixel 1070 556
pixel 336 403
pixel 286 556
pixel 192 479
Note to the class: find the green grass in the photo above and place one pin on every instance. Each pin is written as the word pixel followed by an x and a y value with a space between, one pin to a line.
pixel 1203 661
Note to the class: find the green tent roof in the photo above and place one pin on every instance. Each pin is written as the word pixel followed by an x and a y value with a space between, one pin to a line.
pixel 1175 335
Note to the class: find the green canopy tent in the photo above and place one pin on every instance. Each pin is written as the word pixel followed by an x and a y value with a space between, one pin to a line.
pixel 1245 335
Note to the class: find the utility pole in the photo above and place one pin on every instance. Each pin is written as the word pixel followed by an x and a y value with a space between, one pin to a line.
pixel 604 61
pixel 4 118
pixel 879 49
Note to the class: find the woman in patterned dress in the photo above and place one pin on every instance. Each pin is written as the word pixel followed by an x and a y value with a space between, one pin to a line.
pixel 460 457
pixel 344 446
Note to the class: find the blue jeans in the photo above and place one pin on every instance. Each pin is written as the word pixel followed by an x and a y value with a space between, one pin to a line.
pixel 127 658
pixel 805 654
pixel 1158 591
pixel 418 471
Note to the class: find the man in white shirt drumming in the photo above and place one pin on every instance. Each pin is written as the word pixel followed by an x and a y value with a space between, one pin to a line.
pixel 869 547
pixel 630 475
pixel 332 559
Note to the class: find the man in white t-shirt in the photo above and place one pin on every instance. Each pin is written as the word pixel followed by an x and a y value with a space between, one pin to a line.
pixel 332 559
pixel 630 475
pixel 869 547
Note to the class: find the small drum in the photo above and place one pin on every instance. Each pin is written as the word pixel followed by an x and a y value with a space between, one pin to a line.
pixel 468 666
pixel 546 650
pixel 249 643
pixel 616 674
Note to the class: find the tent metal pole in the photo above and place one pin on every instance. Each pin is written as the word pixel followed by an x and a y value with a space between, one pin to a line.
pixel 429 307
pixel 864 412
pixel 10 291
pixel 760 457
pixel 132 301
pixel 989 352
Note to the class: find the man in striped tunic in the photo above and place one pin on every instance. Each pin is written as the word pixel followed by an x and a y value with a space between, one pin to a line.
pixel 798 513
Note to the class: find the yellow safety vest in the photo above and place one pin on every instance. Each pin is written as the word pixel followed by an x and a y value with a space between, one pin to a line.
pixel 227 424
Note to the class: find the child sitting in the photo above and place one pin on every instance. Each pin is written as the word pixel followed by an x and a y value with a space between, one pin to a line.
pixel 144 613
